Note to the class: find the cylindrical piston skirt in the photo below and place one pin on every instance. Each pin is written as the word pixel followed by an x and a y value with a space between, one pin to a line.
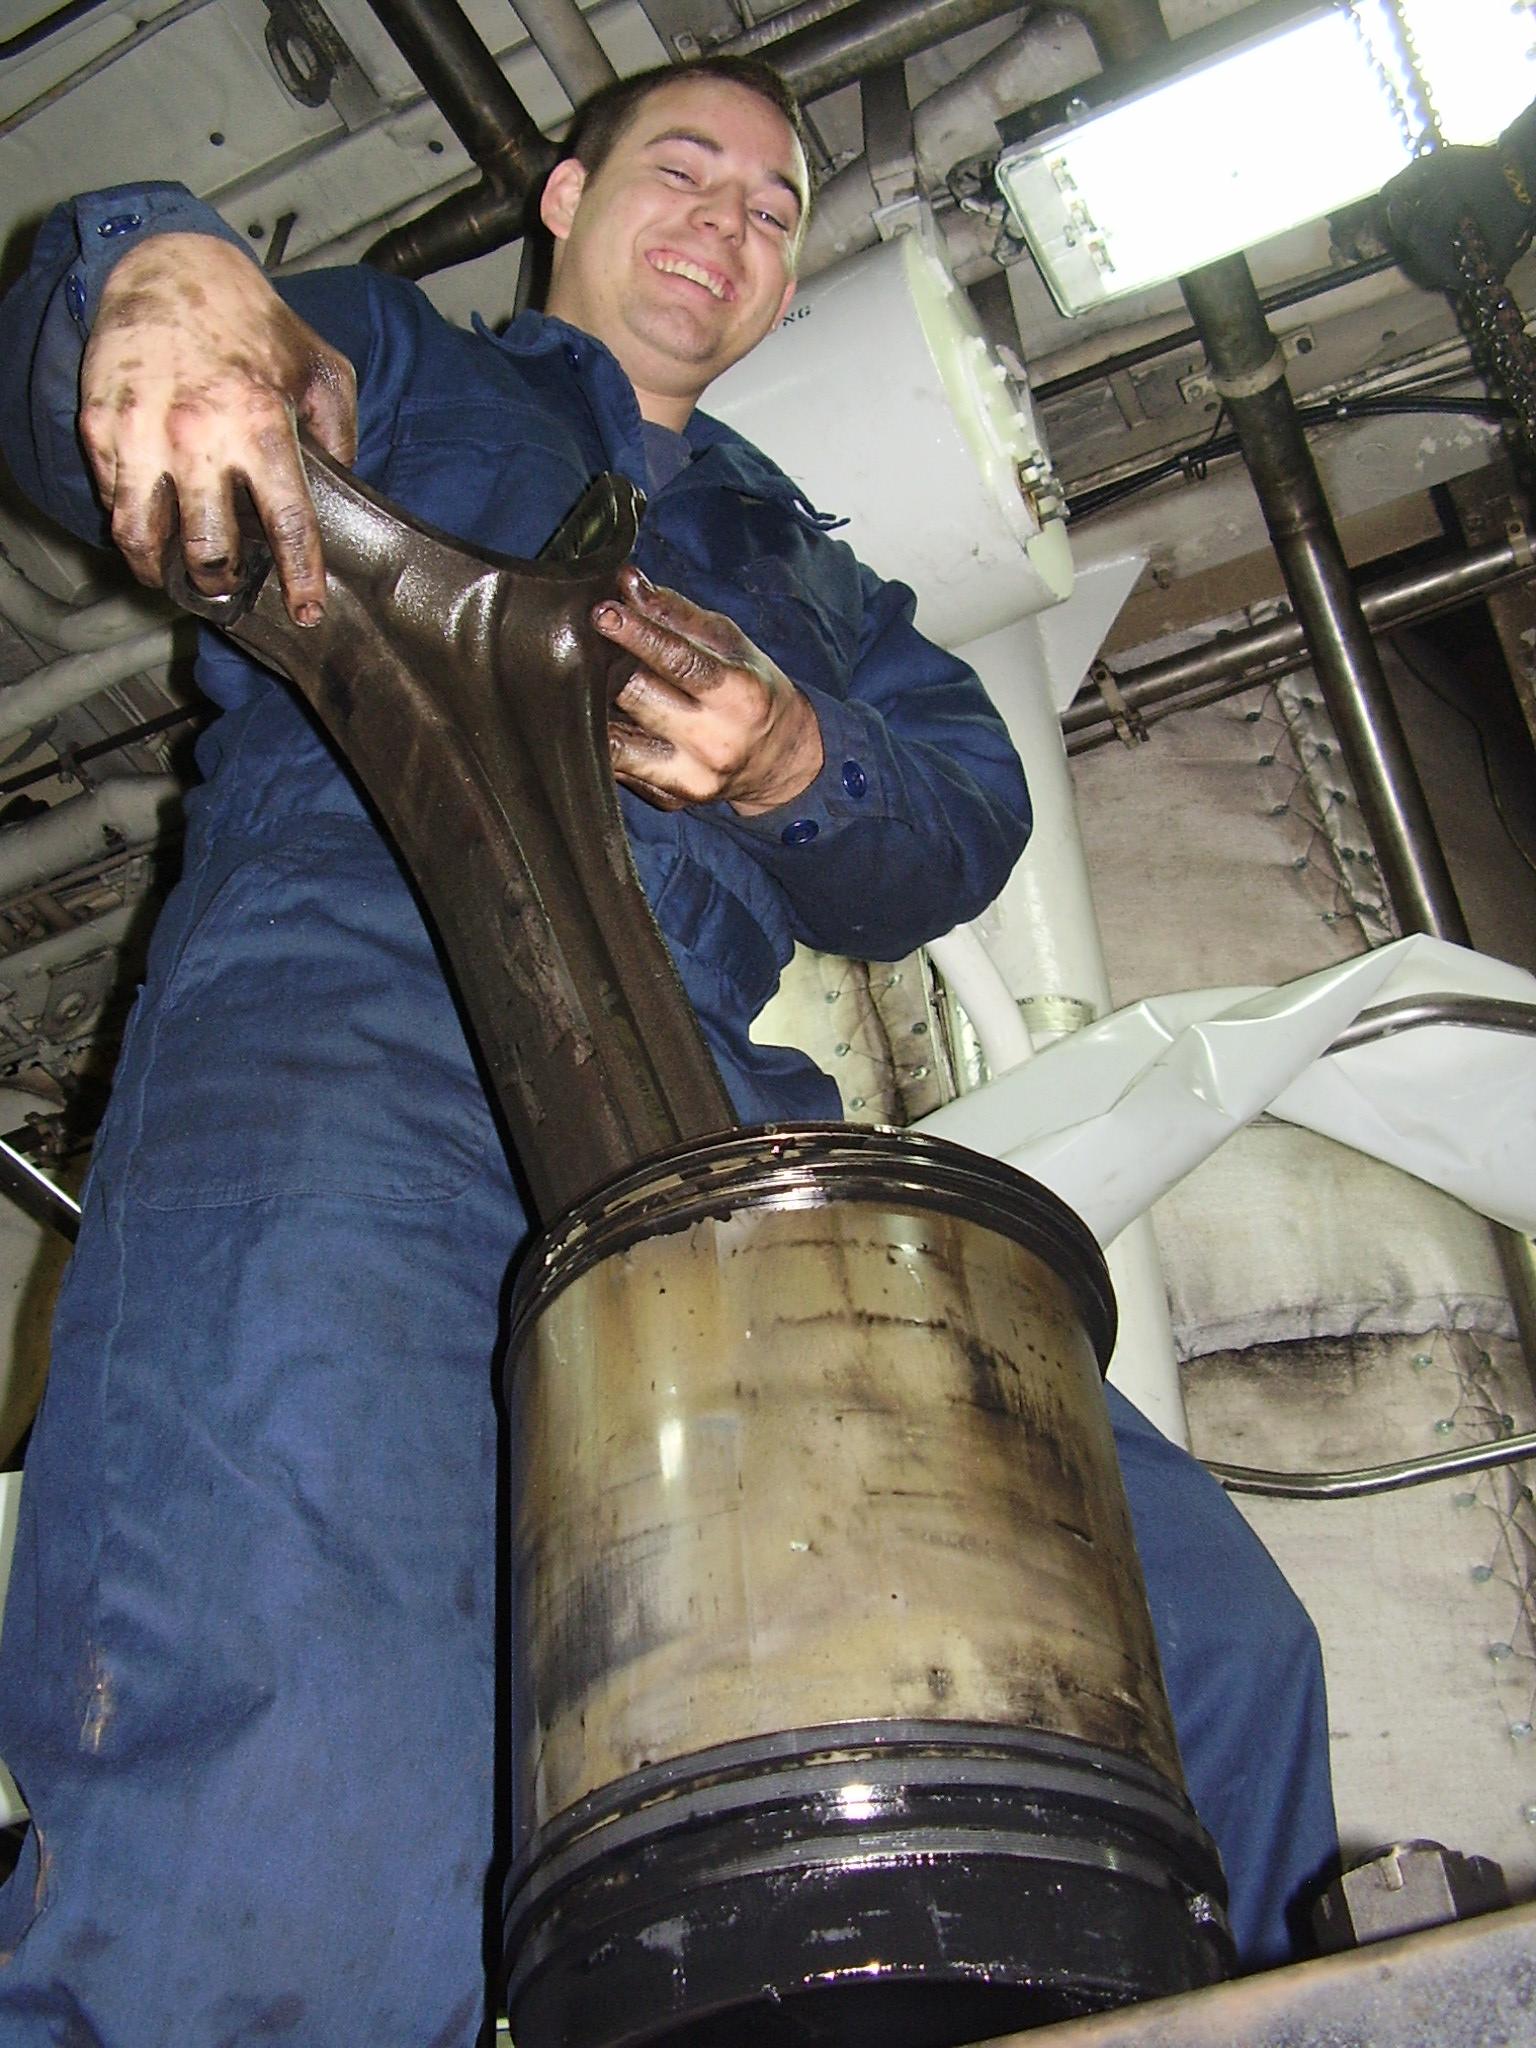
pixel 808 1436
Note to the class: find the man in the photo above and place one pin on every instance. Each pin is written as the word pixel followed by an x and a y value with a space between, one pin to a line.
pixel 248 1678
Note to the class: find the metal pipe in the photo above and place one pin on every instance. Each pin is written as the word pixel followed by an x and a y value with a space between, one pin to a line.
pixel 1413 1013
pixel 842 47
pixel 559 31
pixel 1370 1479
pixel 1248 372
pixel 76 628
pixel 464 80
pixel 122 817
pixel 763 34
pixel 1241 660
pixel 78 677
pixel 959 120
pixel 32 1190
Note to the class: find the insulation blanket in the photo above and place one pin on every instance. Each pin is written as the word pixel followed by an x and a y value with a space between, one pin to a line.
pixel 1113 1116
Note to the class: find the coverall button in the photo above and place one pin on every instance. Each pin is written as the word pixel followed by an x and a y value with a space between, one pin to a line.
pixel 855 781
pixel 121 224
pixel 74 295
pixel 801 833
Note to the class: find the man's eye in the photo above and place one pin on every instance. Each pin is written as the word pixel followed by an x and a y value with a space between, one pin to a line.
pixel 676 171
pixel 772 220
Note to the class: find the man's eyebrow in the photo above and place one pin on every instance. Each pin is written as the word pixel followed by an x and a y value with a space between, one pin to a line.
pixel 717 148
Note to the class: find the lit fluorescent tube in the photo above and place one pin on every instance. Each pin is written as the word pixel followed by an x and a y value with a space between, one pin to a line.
pixel 1273 130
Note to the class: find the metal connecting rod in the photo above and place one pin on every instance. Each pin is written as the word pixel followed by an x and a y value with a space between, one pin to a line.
pixel 470 694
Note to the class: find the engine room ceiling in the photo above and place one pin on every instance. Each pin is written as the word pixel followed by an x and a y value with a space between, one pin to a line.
pixel 303 123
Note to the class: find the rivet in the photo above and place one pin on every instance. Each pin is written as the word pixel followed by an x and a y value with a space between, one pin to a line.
pixel 1500 1653
pixel 841 1051
pixel 1421 1359
pixel 1528 1813
pixel 1465 1500
pixel 1444 1426
pixel 1299 862
pixel 1521 1730
pixel 1481 1574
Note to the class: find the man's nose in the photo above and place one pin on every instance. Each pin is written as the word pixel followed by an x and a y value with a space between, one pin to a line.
pixel 724 208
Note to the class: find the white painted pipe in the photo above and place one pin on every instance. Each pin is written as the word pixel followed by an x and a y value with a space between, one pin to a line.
pixel 1043 935
pixel 76 628
pixel 972 977
pixel 78 677
pixel 124 815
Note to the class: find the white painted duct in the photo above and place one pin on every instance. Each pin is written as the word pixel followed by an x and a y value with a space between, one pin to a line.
pixel 126 814
pixel 76 628
pixel 76 678
pixel 882 398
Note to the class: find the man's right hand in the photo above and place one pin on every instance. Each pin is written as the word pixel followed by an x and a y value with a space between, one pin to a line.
pixel 194 384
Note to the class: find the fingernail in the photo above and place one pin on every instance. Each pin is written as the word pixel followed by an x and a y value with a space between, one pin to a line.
pixel 309 614
pixel 642 582
pixel 608 616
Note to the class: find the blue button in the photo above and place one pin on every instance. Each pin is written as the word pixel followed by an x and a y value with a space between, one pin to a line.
pixel 855 781
pixel 74 295
pixel 801 833
pixel 121 224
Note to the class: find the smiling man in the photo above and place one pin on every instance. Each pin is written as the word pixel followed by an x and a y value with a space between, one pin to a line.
pixel 248 1674
pixel 248 1677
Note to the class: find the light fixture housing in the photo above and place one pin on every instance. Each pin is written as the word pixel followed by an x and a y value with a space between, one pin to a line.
pixel 1276 116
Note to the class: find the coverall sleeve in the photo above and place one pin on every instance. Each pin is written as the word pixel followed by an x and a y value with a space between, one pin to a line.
pixel 45 322
pixel 920 810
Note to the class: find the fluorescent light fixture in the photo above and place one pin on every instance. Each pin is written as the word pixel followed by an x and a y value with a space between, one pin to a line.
pixel 1284 124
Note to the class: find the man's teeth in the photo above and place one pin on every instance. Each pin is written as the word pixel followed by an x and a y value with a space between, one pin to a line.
pixel 679 266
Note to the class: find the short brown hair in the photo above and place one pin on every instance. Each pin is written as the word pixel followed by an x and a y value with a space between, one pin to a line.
pixel 604 118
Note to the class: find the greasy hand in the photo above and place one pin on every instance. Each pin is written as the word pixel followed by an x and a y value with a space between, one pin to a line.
pixel 194 381
pixel 705 715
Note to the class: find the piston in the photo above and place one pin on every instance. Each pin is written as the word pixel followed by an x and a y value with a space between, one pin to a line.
pixel 837 1712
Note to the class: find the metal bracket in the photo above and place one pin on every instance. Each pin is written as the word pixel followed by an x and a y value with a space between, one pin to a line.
pixel 1126 719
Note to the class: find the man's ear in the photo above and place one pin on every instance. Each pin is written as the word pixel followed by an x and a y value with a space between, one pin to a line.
pixel 562 195
pixel 789 293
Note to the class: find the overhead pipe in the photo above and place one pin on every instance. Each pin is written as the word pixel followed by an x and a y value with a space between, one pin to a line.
pixel 1241 661
pixel 843 47
pixel 76 628
pixel 464 80
pixel 560 32
pixel 78 677
pixel 124 816
pixel 1042 57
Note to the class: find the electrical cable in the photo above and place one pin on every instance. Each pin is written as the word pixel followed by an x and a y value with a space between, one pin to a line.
pixel 1191 462
pixel 147 729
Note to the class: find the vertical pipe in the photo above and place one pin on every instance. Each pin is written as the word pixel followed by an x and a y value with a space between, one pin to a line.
pixel 1248 373
pixel 560 32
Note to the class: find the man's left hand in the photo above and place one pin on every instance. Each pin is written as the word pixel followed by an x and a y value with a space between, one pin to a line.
pixel 706 716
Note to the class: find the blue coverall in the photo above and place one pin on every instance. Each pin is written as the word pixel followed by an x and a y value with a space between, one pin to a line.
pixel 247 1673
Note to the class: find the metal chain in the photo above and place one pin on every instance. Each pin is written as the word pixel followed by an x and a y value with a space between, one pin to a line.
pixel 1491 320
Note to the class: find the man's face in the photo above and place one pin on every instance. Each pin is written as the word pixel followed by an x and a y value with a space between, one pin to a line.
pixel 679 251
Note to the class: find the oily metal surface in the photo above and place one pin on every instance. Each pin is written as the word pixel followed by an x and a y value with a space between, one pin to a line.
pixel 1471 1985
pixel 470 694
pixel 788 1468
